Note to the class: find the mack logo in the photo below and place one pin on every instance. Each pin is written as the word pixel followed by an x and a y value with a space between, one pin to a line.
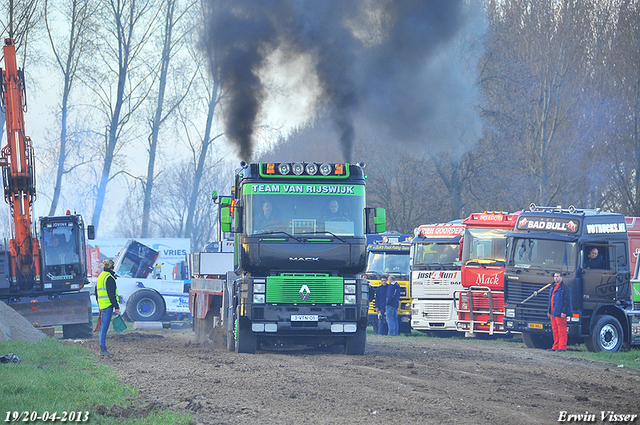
pixel 304 259
pixel 304 292
pixel 490 280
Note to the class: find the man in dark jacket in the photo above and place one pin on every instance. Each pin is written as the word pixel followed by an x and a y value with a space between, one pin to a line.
pixel 594 260
pixel 393 302
pixel 381 302
pixel 107 296
pixel 559 310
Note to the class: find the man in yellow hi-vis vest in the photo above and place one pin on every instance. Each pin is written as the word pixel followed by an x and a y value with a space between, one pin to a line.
pixel 107 295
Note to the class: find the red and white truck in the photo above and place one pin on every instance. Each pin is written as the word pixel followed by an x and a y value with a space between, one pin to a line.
pixel 480 305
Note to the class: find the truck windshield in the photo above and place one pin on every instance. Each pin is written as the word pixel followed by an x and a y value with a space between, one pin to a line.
pixel 340 215
pixel 485 244
pixel 388 262
pixel 436 253
pixel 543 254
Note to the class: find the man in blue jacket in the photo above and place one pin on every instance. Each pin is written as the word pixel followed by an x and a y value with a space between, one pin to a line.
pixel 381 302
pixel 559 310
pixel 393 302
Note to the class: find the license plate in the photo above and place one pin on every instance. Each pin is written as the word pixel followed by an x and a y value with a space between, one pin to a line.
pixel 304 317
pixel 535 325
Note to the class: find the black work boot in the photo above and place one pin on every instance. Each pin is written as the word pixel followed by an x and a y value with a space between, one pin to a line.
pixel 104 352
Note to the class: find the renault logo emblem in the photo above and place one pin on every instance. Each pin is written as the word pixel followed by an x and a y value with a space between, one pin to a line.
pixel 305 292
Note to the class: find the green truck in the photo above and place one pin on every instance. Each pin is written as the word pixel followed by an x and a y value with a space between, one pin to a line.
pixel 300 246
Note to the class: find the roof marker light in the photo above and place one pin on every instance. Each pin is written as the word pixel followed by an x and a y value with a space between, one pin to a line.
pixel 311 168
pixel 325 169
pixel 271 168
pixel 298 168
pixel 284 168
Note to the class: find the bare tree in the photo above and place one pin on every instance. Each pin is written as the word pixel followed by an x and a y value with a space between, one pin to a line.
pixel 533 80
pixel 623 92
pixel 68 54
pixel 127 26
pixel 169 47
pixel 200 148
pixel 18 20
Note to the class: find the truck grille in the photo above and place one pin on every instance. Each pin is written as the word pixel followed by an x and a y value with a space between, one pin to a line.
pixel 535 309
pixel 288 289
pixel 437 311
pixel 481 301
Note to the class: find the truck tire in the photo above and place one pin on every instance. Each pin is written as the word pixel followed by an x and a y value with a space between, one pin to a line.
pixel 355 345
pixel 536 341
pixel 231 341
pixel 145 305
pixel 227 321
pixel 246 341
pixel 606 335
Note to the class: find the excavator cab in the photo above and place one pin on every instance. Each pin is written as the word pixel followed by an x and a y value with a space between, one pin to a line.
pixel 63 247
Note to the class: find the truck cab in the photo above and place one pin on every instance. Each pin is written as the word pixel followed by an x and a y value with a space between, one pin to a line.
pixel 300 247
pixel 481 303
pixel 435 276
pixel 546 240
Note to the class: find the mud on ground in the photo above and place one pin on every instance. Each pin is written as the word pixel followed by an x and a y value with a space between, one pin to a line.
pixel 399 380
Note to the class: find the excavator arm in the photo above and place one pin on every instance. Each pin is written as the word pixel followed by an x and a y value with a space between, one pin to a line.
pixel 17 162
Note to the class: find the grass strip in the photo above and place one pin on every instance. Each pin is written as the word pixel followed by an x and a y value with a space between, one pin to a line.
pixel 53 377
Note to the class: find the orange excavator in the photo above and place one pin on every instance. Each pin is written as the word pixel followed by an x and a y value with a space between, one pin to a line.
pixel 41 273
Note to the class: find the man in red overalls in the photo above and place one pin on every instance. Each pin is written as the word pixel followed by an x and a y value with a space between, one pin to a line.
pixel 559 310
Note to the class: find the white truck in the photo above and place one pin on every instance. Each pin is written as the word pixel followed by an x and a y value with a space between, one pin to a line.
pixel 435 276
pixel 152 280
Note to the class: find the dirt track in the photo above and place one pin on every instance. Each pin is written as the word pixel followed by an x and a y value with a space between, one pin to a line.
pixel 399 380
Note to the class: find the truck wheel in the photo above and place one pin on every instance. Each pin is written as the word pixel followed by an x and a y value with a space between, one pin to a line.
pixel 536 341
pixel 246 341
pixel 354 346
pixel 606 335
pixel 231 341
pixel 146 305
pixel 227 321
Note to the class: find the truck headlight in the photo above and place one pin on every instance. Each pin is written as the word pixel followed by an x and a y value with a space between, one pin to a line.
pixel 349 299
pixel 464 301
pixel 510 312
pixel 258 298
pixel 259 287
pixel 349 289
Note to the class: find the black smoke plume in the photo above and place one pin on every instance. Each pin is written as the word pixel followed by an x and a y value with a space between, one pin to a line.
pixel 365 52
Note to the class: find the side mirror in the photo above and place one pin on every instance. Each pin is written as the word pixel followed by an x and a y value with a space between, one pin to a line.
pixel 225 219
pixel 375 220
pixel 91 232
pixel 380 220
